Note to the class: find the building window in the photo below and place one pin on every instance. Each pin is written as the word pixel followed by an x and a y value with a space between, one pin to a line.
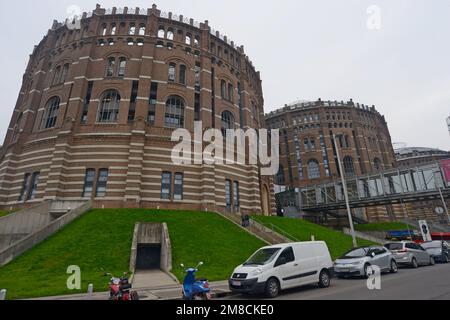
pixel 313 169
pixel 161 33
pixel 172 72
pixel 188 39
pixel 236 196
pixel 64 73
pixel 174 115
pixel 104 30
pixel 230 92
pixel 87 100
pixel 111 66
pixel 122 66
pixel 280 178
pixel 132 29
pixel 152 103
pixel 349 167
pixel 142 30
pixel 102 181
pixel 133 99
pixel 166 185
pixel 169 34
pixel 197 107
pixel 227 122
pixel 223 89
pixel 50 113
pixel 56 75
pixel 25 185
pixel 88 183
pixel 183 74
pixel 109 107
pixel 33 186
pixel 228 198
pixel 178 186
pixel 377 164
pixel 113 29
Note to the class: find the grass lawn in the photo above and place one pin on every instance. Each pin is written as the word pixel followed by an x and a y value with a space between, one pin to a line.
pixel 338 243
pixel 102 239
pixel 4 213
pixel 384 226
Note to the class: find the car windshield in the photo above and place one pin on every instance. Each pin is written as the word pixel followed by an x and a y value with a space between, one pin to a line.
pixel 262 257
pixel 432 245
pixel 394 246
pixel 356 253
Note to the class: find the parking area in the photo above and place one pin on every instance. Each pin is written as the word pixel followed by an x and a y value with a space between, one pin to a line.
pixel 425 283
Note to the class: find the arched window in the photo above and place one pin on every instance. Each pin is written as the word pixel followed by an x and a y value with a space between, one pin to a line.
pixel 172 72
pixel 227 121
pixel 122 66
pixel 132 29
pixel 170 34
pixel 111 66
pixel 182 74
pixel 113 29
pixel 313 169
pixel 51 113
pixel 223 89
pixel 188 39
pixel 104 29
pixel 142 30
pixel 108 111
pixel 174 115
pixel 161 33
pixel 197 41
pixel 230 92
pixel 56 75
pixel 65 71
pixel 349 166
pixel 280 178
pixel 377 164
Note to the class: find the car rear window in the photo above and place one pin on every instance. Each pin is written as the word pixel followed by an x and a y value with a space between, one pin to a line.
pixel 394 246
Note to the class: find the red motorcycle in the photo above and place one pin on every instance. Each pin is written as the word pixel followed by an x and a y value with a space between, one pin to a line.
pixel 120 288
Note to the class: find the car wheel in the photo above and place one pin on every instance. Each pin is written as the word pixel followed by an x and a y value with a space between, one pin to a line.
pixel 394 267
pixel 432 261
pixel 324 279
pixel 272 288
pixel 414 263
pixel 366 270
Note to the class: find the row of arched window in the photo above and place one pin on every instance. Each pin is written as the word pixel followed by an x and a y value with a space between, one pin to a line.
pixel 132 30
pixel 313 167
pixel 187 38
pixel 109 107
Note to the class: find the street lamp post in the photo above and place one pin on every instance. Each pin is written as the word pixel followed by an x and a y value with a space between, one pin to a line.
pixel 344 185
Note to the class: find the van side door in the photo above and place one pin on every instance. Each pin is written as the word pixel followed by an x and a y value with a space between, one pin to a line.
pixel 285 269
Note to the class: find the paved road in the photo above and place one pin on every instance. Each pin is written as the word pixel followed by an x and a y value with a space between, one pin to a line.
pixel 425 283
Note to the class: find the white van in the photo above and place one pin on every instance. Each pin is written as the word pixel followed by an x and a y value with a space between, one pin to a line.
pixel 275 268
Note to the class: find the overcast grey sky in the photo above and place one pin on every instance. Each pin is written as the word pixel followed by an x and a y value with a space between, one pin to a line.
pixel 304 49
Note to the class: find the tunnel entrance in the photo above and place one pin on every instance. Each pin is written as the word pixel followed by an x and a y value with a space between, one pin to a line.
pixel 148 257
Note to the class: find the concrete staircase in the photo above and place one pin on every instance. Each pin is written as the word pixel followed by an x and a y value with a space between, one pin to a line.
pixel 271 235
pixel 22 230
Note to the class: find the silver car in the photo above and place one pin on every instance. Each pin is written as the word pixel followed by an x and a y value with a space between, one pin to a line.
pixel 410 254
pixel 357 262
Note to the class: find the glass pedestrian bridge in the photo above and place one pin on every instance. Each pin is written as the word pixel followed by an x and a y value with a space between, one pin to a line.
pixel 389 187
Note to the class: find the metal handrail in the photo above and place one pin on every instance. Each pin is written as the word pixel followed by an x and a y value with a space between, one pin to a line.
pixel 279 230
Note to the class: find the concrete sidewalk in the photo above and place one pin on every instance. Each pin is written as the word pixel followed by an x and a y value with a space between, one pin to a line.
pixel 218 289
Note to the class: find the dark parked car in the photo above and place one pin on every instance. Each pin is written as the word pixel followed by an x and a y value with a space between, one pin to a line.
pixel 440 250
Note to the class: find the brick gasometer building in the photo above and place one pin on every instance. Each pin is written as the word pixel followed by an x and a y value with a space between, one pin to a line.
pixel 307 153
pixel 99 103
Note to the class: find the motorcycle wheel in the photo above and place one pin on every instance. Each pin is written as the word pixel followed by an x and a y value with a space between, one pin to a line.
pixel 134 296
